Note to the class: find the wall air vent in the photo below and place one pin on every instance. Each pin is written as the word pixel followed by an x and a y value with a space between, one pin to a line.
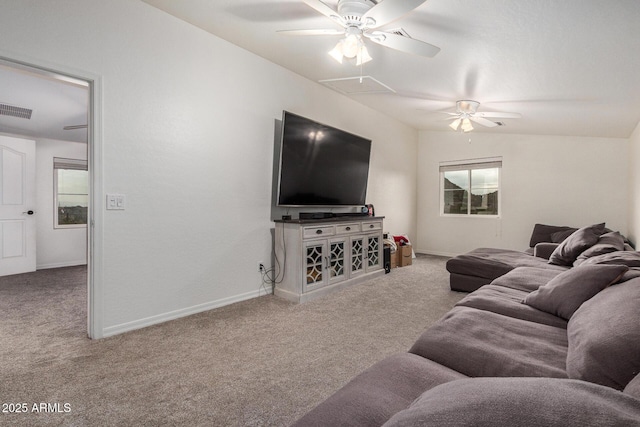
pixel 13 111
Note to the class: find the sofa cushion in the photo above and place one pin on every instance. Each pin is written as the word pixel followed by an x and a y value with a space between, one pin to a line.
pixel 376 394
pixel 567 252
pixel 544 250
pixel 519 402
pixel 491 263
pixel 508 302
pixel 608 242
pixel 604 337
pixel 528 279
pixel 633 388
pixel 480 343
pixel 566 292
pixel 542 233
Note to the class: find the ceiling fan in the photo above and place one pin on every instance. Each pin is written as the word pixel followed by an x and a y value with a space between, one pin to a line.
pixel 361 18
pixel 467 112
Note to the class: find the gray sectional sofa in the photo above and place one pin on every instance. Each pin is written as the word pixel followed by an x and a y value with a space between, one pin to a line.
pixel 480 266
pixel 539 345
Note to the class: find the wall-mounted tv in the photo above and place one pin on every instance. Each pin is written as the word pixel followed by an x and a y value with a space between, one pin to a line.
pixel 321 165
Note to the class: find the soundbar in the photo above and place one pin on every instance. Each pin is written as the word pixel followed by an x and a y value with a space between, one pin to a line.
pixel 316 215
pixel 325 215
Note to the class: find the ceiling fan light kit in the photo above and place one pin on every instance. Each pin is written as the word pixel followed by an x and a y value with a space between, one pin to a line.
pixel 467 112
pixel 362 18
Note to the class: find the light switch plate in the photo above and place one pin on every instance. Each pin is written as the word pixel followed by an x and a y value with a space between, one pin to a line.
pixel 115 201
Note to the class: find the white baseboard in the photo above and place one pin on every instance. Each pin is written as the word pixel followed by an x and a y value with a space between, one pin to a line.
pixel 176 314
pixel 61 264
pixel 437 253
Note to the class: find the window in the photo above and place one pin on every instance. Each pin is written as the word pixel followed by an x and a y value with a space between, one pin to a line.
pixel 470 187
pixel 71 188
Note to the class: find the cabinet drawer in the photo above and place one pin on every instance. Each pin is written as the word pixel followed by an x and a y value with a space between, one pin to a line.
pixel 318 231
pixel 372 226
pixel 348 228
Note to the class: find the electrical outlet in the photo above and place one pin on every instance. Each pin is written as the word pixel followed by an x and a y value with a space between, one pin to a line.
pixel 260 267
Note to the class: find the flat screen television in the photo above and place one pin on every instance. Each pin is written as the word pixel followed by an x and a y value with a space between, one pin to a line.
pixel 321 165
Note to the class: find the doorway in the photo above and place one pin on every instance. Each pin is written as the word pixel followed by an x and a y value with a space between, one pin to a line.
pixel 76 127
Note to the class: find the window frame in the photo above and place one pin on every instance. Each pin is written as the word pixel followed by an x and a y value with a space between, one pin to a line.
pixel 67 164
pixel 470 165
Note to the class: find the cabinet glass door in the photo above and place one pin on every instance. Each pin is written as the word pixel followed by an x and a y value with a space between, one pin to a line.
pixel 373 251
pixel 313 263
pixel 337 266
pixel 357 255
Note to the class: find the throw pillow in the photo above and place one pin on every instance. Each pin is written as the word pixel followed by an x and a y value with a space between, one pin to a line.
pixel 628 258
pixel 604 337
pixel 490 402
pixel 607 243
pixel 560 236
pixel 566 292
pixel 567 252
pixel 542 233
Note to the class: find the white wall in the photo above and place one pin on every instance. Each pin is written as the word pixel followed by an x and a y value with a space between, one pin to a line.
pixel 59 247
pixel 634 187
pixel 188 125
pixel 573 181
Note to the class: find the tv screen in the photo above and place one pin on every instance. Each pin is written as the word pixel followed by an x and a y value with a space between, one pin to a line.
pixel 321 165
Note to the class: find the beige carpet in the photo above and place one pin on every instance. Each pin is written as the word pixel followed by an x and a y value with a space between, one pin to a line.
pixel 262 362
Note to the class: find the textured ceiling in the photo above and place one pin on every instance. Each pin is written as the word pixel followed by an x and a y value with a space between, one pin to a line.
pixel 55 103
pixel 569 67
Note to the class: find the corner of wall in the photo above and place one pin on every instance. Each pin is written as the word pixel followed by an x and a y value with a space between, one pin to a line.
pixel 633 226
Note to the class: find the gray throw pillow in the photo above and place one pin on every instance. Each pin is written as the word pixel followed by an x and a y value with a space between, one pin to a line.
pixel 628 258
pixel 607 243
pixel 567 252
pixel 604 337
pixel 491 402
pixel 560 236
pixel 542 233
pixel 566 292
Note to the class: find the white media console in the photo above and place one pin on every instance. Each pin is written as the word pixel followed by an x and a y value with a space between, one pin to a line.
pixel 319 256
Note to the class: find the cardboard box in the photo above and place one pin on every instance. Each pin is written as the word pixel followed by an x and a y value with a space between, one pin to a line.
pixel 404 254
pixel 394 259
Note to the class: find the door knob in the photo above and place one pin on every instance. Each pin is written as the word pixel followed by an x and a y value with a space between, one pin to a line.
pixel 29 212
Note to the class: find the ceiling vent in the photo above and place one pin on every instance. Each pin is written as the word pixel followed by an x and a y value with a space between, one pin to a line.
pixel 13 111
pixel 357 85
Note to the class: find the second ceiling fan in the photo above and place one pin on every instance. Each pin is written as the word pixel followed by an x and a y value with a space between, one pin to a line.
pixel 362 18
pixel 467 112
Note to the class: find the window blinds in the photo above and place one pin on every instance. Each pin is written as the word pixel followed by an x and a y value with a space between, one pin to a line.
pixel 75 164
pixel 471 164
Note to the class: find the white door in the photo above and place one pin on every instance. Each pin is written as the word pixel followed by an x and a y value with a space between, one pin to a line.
pixel 17 205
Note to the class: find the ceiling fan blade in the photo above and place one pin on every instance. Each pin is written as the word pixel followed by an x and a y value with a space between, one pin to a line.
pixel 499 115
pixel 325 10
pixel 403 44
pixel 483 122
pixel 319 32
pixel 389 10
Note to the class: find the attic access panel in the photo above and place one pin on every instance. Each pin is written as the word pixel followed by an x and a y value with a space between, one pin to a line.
pixel 357 85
